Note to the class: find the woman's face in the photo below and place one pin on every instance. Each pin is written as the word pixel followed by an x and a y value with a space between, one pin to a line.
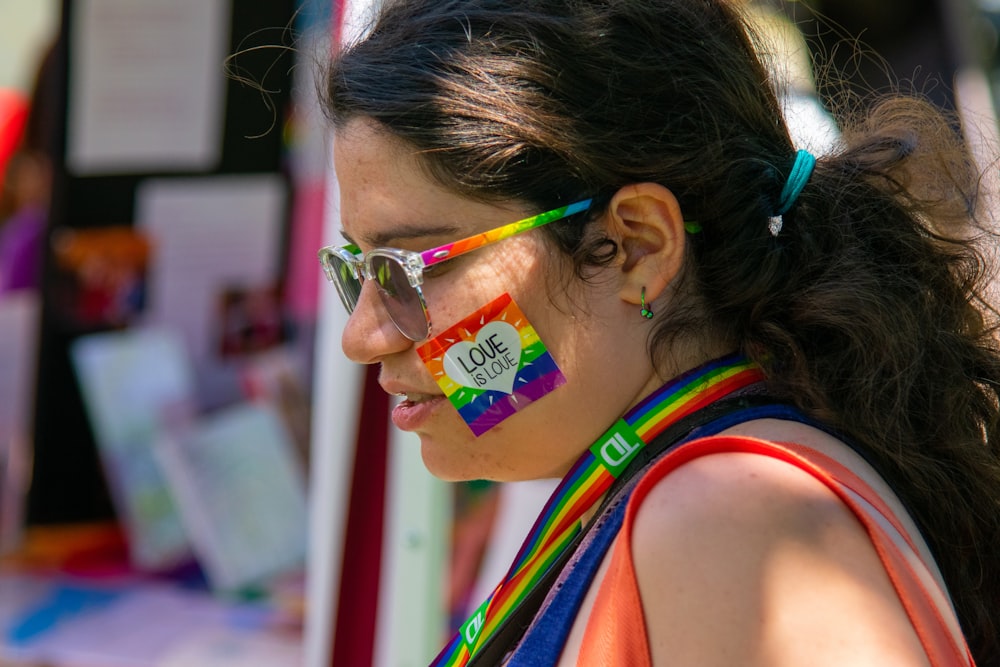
pixel 386 200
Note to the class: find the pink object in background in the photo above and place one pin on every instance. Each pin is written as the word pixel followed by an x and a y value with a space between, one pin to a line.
pixel 304 277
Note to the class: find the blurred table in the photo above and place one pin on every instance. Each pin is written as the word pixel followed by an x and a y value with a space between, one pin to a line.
pixel 68 598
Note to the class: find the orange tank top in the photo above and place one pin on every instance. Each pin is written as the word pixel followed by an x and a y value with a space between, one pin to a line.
pixel 616 630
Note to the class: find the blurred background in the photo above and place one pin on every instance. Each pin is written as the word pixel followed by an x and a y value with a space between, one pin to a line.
pixel 189 471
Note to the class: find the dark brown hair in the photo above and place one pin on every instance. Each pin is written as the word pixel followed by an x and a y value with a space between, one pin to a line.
pixel 867 310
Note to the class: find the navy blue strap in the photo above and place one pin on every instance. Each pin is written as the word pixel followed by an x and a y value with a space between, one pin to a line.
pixel 544 641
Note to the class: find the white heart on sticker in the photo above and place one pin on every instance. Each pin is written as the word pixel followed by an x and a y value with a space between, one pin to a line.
pixel 489 363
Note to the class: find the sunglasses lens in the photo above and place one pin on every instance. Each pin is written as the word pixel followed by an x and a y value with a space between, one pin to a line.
pixel 342 275
pixel 401 300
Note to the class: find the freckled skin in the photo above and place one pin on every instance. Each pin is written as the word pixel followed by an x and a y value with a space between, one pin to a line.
pixel 589 333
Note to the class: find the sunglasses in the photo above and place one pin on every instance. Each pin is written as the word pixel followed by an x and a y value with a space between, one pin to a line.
pixel 398 274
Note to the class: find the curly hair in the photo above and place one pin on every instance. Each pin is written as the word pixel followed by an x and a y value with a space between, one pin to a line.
pixel 868 310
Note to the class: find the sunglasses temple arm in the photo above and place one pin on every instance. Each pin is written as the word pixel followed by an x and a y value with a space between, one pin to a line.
pixel 462 246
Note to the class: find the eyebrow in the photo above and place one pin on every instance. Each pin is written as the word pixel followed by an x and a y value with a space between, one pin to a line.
pixel 403 233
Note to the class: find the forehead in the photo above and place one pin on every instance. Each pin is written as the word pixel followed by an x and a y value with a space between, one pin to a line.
pixel 375 167
pixel 387 197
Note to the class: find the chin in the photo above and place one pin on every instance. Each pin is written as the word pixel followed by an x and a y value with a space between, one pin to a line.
pixel 462 457
pixel 450 463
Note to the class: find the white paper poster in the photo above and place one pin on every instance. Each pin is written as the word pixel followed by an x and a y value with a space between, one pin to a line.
pixel 241 493
pixel 147 85
pixel 133 384
pixel 209 236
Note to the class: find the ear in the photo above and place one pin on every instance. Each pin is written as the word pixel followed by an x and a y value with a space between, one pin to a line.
pixel 645 219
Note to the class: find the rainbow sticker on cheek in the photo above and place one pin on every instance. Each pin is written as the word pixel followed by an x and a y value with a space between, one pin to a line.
pixel 491 364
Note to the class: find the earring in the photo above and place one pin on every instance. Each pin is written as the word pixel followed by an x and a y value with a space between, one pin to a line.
pixel 645 312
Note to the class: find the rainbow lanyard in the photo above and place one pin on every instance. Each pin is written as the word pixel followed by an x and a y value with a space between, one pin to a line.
pixel 586 483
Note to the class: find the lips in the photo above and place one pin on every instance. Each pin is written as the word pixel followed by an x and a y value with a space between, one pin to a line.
pixel 416 406
pixel 416 410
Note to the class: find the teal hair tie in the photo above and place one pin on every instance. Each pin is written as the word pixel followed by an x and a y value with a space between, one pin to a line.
pixel 797 179
pixel 802 169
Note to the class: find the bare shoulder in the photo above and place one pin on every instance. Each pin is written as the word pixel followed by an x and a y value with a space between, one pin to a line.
pixel 745 559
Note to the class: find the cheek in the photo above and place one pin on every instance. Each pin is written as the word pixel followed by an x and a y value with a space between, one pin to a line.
pixel 581 331
pixel 449 302
pixel 460 293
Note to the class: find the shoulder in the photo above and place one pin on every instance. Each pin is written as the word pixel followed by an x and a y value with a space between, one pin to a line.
pixel 746 559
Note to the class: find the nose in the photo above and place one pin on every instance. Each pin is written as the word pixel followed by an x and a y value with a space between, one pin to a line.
pixel 370 334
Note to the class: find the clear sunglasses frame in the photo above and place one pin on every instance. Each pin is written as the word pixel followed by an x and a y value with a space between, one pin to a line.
pixel 409 314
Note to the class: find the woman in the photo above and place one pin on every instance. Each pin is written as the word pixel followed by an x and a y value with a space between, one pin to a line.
pixel 674 251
